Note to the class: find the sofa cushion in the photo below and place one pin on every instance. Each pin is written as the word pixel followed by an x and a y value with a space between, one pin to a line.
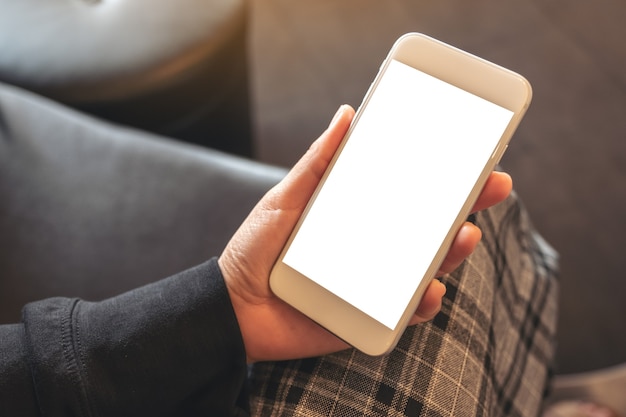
pixel 171 67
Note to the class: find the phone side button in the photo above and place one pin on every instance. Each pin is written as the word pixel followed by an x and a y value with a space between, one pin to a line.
pixel 498 152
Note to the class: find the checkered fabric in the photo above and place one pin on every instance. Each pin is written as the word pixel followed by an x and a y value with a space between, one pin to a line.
pixel 488 353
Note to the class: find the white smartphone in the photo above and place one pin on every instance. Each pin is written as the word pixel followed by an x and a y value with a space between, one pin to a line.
pixel 429 132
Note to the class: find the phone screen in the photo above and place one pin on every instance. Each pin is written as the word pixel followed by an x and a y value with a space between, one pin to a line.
pixel 401 180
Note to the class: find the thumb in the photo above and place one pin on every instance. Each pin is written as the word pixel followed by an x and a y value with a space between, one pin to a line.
pixel 298 186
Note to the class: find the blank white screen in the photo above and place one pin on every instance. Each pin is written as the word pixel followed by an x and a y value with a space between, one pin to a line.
pixel 404 174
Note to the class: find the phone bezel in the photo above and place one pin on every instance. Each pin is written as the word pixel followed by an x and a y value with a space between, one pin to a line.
pixel 456 67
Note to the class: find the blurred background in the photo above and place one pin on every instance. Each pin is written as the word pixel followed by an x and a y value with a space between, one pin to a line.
pixel 568 158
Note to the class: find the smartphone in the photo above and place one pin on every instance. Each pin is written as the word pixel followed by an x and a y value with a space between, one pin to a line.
pixel 430 130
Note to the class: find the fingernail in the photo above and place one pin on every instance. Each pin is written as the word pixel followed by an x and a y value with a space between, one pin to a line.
pixel 442 287
pixel 337 115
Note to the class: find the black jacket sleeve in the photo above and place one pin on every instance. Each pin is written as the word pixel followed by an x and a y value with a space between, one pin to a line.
pixel 172 348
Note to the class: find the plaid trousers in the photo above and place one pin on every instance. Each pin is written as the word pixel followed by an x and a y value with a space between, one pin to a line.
pixel 489 351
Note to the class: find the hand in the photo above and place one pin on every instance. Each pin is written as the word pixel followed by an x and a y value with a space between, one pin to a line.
pixel 273 330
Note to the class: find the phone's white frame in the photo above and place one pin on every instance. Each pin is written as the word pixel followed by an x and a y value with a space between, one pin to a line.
pixel 458 68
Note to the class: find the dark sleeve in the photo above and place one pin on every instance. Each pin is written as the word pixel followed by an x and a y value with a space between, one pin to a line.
pixel 171 348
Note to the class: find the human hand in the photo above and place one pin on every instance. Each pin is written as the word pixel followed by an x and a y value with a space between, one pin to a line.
pixel 273 330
